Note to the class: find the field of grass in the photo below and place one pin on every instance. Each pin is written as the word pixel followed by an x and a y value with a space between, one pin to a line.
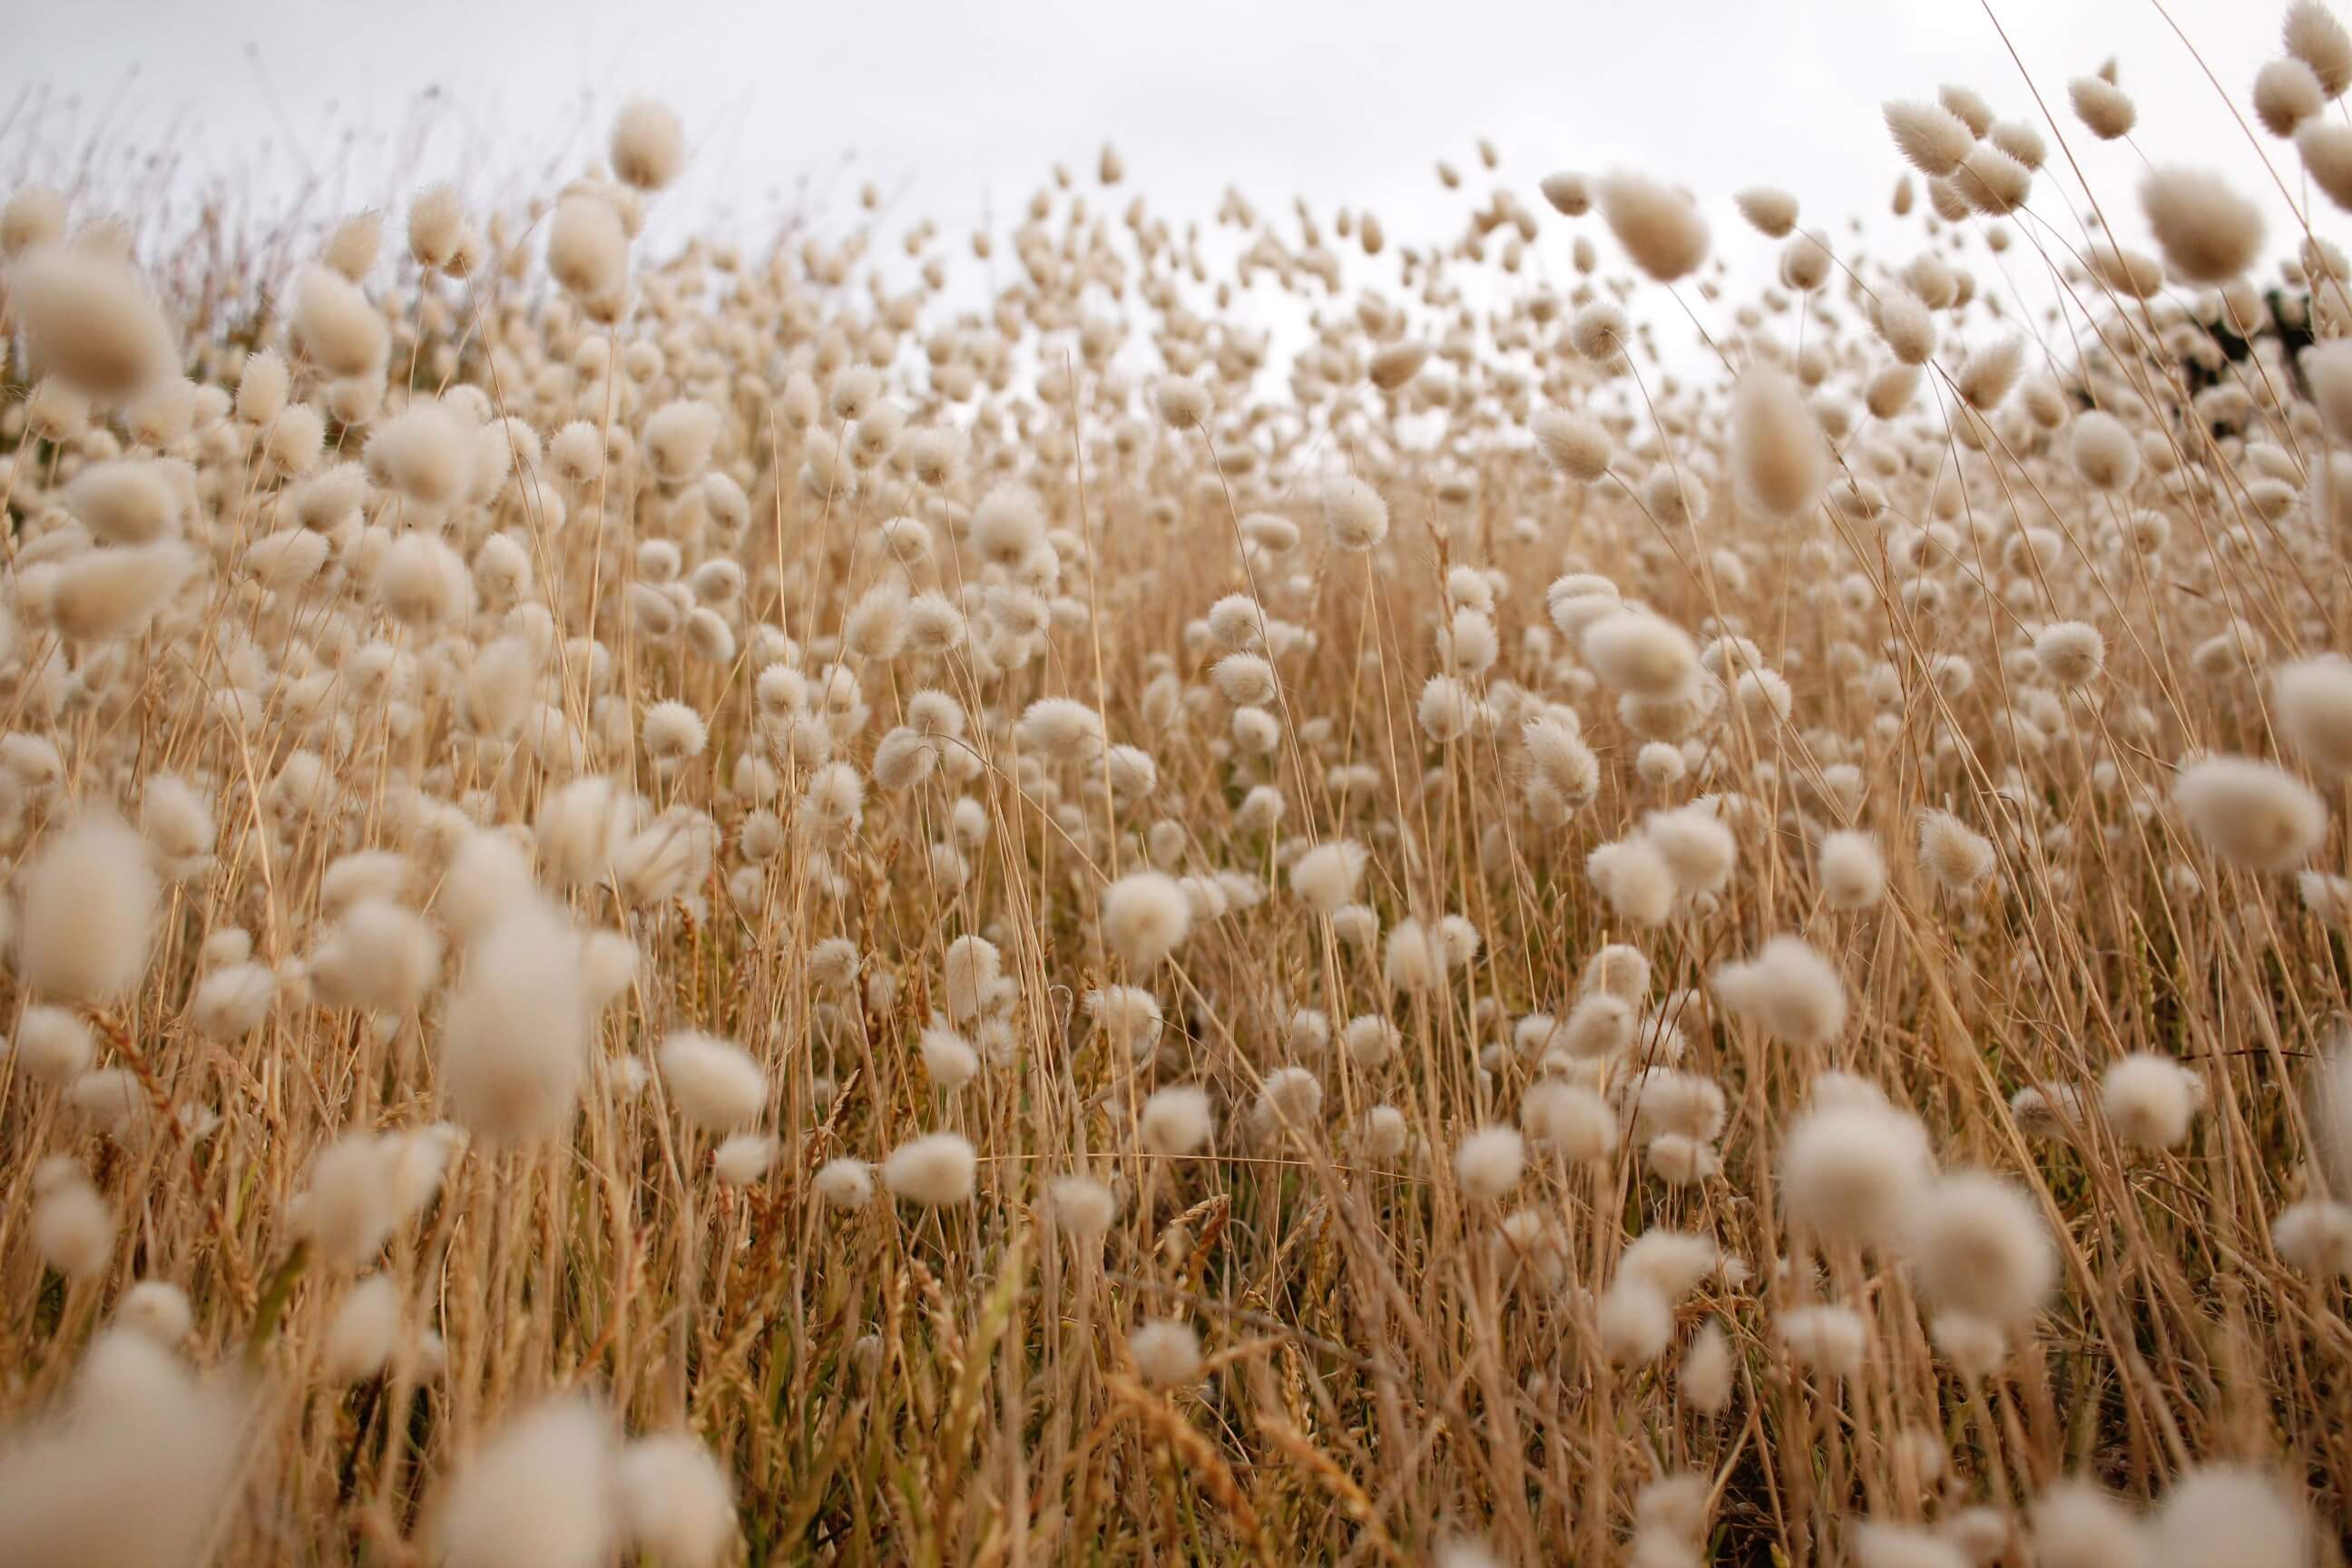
pixel 702 904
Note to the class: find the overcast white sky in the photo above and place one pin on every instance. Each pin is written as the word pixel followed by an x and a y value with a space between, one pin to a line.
pixel 952 106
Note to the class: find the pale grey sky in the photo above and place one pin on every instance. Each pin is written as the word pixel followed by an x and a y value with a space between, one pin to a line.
pixel 950 107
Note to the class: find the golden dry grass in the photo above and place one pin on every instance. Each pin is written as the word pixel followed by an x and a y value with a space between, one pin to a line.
pixel 1403 1356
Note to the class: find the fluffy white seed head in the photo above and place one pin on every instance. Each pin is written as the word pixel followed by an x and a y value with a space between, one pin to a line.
pixel 948 1059
pixel 1774 212
pixel 2078 1525
pixel 73 1229
pixel 88 912
pixel 1707 1370
pixel 1355 517
pixel 2251 812
pixel 648 144
pixel 336 326
pixel 2313 35
pixel 2327 367
pixel 1145 916
pixel 2105 108
pixel 1576 445
pixel 1696 846
pixel 1635 1323
pixel 2104 454
pixel 1084 1207
pixel 1853 1173
pixel 33 214
pixel 1571 1120
pixel 972 971
pixel 745 1158
pixel 1955 857
pixel 1853 871
pixel 2287 93
pixel 539 1493
pixel 1166 1353
pixel 352 1206
pixel 1930 137
pixel 102 594
pixel 514 1032
pixel 381 957
pixel 1788 990
pixel 1828 1341
pixel 365 1332
pixel 424 452
pixel 714 1083
pixel 1175 1121
pixel 675 1501
pixel 1007 526
pixel 126 502
pixel 1658 225
pixel 1414 958
pixel 587 247
pixel 2315 1237
pixel 2312 701
pixel 2071 653
pixel 135 1466
pixel 1634 880
pixel 1328 875
pixel 673 732
pixel 1291 1098
pixel 679 440
pixel 1488 1162
pixel 2231 1516
pixel 1062 730
pixel 159 1309
pixel 936 1170
pixel 2209 233
pixel 846 1183
pixel 92 321
pixel 1979 1247
pixel 1569 193
pixel 54 1046
pixel 1777 448
pixel 1183 403
pixel 1640 653
pixel 1671 1262
pixel 2149 1100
